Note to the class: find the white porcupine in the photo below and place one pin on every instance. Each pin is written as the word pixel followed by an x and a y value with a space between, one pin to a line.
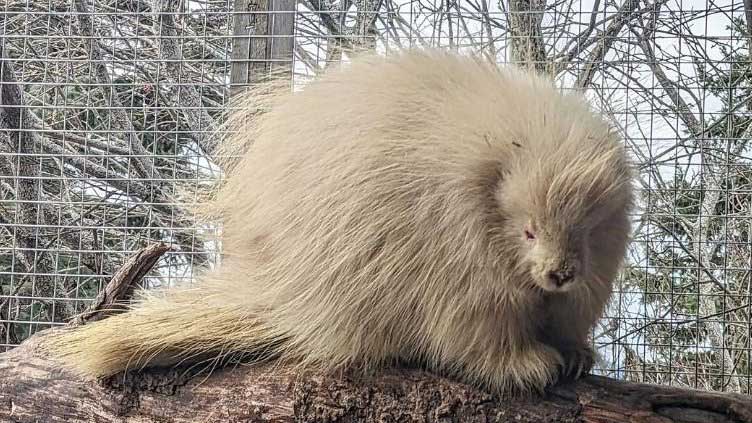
pixel 423 207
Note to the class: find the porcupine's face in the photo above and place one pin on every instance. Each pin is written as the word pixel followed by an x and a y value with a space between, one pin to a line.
pixel 551 212
pixel 555 254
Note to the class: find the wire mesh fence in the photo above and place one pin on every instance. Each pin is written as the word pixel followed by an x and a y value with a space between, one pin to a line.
pixel 110 111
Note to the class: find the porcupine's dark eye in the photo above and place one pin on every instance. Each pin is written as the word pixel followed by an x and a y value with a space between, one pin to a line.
pixel 529 235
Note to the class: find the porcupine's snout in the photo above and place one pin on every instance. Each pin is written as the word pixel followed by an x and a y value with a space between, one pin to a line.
pixel 562 276
pixel 555 270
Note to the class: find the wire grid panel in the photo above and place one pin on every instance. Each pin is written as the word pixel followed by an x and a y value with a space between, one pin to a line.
pixel 110 112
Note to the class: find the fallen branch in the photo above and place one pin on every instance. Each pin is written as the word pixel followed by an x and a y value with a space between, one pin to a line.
pixel 120 289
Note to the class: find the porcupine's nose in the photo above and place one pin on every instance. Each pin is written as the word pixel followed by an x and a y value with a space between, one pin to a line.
pixel 561 277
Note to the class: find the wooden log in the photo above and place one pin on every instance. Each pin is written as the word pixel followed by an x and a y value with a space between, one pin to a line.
pixel 34 387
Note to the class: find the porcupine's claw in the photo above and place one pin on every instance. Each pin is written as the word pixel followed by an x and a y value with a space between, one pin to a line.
pixel 578 362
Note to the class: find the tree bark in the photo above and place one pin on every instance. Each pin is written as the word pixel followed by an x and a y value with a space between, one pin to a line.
pixel 22 166
pixel 34 388
pixel 183 93
pixel 121 287
pixel 263 41
pixel 528 49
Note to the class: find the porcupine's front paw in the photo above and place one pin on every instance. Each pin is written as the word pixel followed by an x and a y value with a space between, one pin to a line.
pixel 532 368
pixel 577 361
pixel 537 367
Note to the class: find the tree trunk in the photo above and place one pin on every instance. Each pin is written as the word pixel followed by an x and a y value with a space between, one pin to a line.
pixel 528 49
pixel 34 388
pixel 263 40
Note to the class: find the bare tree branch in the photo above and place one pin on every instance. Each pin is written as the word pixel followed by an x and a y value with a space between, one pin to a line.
pixel 141 158
pixel 625 14
pixel 712 188
pixel 119 290
pixel 184 96
pixel 31 214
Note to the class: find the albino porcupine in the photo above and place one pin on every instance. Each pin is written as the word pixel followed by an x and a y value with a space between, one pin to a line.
pixel 424 206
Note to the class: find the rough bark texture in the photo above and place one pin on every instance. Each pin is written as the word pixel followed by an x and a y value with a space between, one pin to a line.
pixel 34 388
pixel 21 166
pixel 528 48
pixel 120 289
pixel 262 42
pixel 182 93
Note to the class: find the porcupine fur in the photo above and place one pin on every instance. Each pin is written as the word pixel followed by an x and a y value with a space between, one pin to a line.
pixel 424 206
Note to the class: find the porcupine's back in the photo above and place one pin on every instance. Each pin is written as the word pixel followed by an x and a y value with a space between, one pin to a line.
pixel 370 194
pixel 361 218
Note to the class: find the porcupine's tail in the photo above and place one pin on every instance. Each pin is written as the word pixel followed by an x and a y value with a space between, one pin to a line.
pixel 166 327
